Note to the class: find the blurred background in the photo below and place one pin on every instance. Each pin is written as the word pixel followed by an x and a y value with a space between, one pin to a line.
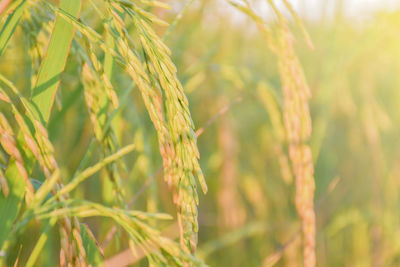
pixel 353 72
pixel 248 217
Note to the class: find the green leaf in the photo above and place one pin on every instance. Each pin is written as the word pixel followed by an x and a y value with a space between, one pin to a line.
pixel 94 255
pixel 43 96
pixel 10 205
pixel 54 62
pixel 10 25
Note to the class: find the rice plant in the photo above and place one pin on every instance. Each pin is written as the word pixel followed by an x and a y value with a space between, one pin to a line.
pixel 114 112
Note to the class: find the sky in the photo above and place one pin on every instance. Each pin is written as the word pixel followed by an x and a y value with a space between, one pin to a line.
pixel 352 8
pixel 315 9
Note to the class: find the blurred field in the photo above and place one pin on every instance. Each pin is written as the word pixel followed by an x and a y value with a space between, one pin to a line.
pixel 353 74
pixel 231 80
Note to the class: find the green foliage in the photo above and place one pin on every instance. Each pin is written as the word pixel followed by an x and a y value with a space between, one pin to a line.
pixel 53 63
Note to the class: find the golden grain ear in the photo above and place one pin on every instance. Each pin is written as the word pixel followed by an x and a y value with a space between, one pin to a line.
pixel 295 115
pixel 168 108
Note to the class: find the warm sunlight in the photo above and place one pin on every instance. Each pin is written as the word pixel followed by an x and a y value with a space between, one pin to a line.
pixel 237 133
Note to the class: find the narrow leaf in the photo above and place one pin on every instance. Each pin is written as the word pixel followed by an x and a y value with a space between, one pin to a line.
pixel 9 27
pixel 54 62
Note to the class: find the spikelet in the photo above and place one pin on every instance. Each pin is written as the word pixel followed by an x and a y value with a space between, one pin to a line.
pixel 296 119
pixel 37 25
pixel 95 97
pixel 37 141
pixel 8 142
pixel 98 68
pixel 174 128
pixel 49 165
pixel 297 122
pixel 3 184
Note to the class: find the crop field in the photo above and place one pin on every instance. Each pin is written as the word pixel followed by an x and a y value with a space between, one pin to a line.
pixel 199 133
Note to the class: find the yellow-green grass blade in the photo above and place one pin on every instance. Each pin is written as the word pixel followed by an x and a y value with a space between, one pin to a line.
pixel 54 62
pixel 41 242
pixel 43 97
pixel 94 255
pixel 177 19
pixel 9 26
pixel 10 205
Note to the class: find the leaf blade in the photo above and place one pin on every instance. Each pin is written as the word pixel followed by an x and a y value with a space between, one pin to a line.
pixel 10 25
pixel 54 62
